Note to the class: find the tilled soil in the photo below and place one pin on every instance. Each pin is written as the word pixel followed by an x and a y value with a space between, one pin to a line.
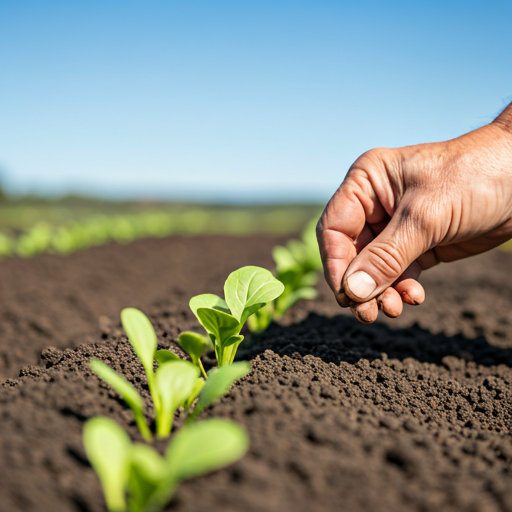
pixel 413 414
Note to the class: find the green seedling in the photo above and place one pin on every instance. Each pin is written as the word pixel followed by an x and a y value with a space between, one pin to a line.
pixel 218 383
pixel 246 290
pixel 108 448
pixel 174 384
pixel 7 245
pixel 194 345
pixel 198 386
pixel 136 478
pixel 164 356
pixel 142 337
pixel 297 267
pixel 129 394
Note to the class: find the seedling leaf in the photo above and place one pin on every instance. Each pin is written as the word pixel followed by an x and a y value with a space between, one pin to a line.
pixel 208 300
pixel 205 446
pixel 193 344
pixel 221 325
pixel 220 380
pixel 288 301
pixel 108 449
pixel 129 394
pixel 142 336
pixel 249 287
pixel 236 339
pixel 164 356
pixel 284 259
pixel 198 386
pixel 174 383
pixel 147 470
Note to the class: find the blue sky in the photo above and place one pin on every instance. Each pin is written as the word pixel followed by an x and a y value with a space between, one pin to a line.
pixel 240 100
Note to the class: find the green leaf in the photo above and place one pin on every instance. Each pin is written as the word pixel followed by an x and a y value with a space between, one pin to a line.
pixel 198 386
pixel 164 356
pixel 142 336
pixel 193 344
pixel 299 252
pixel 302 293
pixel 309 237
pixel 249 288
pixel 261 319
pixel 148 469
pixel 309 279
pixel 236 339
pixel 208 300
pixel 220 380
pixel 150 463
pixel 129 394
pixel 108 449
pixel 227 350
pixel 220 324
pixel 174 383
pixel 284 259
pixel 202 447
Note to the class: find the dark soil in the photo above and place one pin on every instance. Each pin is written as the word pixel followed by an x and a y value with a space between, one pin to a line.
pixel 413 414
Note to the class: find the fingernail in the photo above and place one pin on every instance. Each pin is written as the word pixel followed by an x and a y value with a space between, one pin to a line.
pixel 407 298
pixel 361 284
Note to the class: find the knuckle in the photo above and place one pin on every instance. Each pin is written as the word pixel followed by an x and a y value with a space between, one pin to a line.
pixel 372 158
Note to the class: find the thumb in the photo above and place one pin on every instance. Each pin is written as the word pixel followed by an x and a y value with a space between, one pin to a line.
pixel 386 258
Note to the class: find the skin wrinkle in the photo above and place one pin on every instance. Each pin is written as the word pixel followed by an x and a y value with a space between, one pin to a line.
pixel 384 192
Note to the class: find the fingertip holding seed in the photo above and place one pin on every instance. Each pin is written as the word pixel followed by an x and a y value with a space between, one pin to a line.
pixel 342 299
pixel 365 312
pixel 391 303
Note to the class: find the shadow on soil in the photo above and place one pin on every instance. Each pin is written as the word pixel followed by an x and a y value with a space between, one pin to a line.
pixel 341 338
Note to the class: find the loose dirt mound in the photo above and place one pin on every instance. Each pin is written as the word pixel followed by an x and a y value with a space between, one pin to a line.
pixel 64 301
pixel 342 417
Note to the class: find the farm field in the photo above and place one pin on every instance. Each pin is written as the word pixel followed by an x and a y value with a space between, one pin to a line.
pixel 412 414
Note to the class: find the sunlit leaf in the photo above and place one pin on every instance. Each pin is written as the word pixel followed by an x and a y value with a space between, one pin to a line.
pixel 141 334
pixel 198 386
pixel 205 446
pixel 284 259
pixel 288 301
pixel 220 324
pixel 193 344
pixel 129 394
pixel 248 287
pixel 164 356
pixel 208 300
pixel 148 468
pixel 108 449
pixel 220 380
pixel 174 383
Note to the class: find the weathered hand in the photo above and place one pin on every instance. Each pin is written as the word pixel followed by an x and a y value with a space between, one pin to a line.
pixel 401 211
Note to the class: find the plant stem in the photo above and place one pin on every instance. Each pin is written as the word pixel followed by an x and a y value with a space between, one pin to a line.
pixel 144 429
pixel 202 368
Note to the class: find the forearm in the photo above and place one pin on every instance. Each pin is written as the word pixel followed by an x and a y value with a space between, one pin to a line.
pixel 504 120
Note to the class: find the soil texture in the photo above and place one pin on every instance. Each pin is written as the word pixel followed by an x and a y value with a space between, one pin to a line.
pixel 413 414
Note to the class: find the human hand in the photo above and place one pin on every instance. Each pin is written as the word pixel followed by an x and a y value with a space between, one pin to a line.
pixel 401 211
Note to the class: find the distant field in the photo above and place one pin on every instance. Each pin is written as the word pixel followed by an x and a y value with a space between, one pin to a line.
pixel 30 226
